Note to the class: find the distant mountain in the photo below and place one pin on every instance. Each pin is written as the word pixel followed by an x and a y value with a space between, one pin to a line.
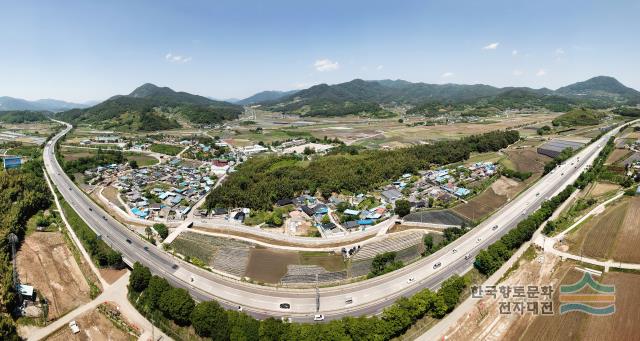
pixel 601 87
pixel 265 96
pixel 370 97
pixel 150 108
pixel 11 103
pixel 358 96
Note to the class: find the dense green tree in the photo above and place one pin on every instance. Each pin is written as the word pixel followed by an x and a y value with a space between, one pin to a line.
pixel 210 320
pixel 139 278
pixel 162 230
pixel 273 330
pixel 177 304
pixel 403 207
pixel 151 296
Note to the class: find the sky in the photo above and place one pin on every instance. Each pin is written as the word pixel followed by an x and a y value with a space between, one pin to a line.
pixel 91 50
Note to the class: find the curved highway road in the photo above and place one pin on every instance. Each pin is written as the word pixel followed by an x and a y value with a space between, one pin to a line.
pixel 368 297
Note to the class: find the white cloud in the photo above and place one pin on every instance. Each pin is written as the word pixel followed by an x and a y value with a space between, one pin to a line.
pixel 491 46
pixel 518 73
pixel 447 75
pixel 301 85
pixel 514 52
pixel 559 51
pixel 172 58
pixel 323 65
pixel 379 67
pixel 541 72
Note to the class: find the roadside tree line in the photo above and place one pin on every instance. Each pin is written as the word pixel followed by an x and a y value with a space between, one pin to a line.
pixel 174 311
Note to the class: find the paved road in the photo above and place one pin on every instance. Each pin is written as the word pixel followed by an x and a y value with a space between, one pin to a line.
pixel 369 297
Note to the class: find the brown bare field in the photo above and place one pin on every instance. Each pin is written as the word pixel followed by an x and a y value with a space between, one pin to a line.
pixel 601 188
pixel 331 262
pixel 626 246
pixel 269 266
pixel 558 327
pixel 45 262
pixel 623 325
pixel 579 326
pixel 527 160
pixel 616 156
pixel 489 200
pixel 112 275
pixel 93 326
pixel 597 237
pixel 71 154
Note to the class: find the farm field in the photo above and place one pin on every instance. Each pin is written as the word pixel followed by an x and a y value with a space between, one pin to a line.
pixel 46 263
pixel 558 327
pixel 142 159
pixel 579 326
pixel 264 265
pixel 445 217
pixel 596 237
pixel 628 239
pixel 364 131
pixel 168 149
pixel 269 266
pixel 618 155
pixel 527 160
pixel 75 153
pixel 601 188
pixel 490 200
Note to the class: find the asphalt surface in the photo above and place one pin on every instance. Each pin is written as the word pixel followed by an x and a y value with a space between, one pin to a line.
pixel 368 297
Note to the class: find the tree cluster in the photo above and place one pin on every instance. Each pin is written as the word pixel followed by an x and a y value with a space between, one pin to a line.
pixel 514 174
pixel 384 263
pixel 23 193
pixel 261 181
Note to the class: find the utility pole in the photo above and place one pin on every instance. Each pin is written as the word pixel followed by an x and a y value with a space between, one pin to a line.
pixel 317 295
pixel 13 239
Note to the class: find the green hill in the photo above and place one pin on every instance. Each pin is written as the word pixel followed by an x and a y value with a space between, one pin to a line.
pixel 578 117
pixel 602 88
pixel 150 108
pixel 22 116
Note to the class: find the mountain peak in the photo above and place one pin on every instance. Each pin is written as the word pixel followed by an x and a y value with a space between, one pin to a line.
pixel 601 87
pixel 148 89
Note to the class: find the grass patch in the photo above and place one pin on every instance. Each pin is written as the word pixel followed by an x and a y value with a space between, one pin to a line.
pixel 167 149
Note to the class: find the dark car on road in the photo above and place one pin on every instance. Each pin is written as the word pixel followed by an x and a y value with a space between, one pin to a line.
pixel 285 306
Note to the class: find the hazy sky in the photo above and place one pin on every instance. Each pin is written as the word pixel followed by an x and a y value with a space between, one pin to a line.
pixel 86 50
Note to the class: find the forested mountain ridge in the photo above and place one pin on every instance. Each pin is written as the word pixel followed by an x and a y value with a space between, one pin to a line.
pixel 264 96
pixel 150 108
pixel 18 104
pixel 359 96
